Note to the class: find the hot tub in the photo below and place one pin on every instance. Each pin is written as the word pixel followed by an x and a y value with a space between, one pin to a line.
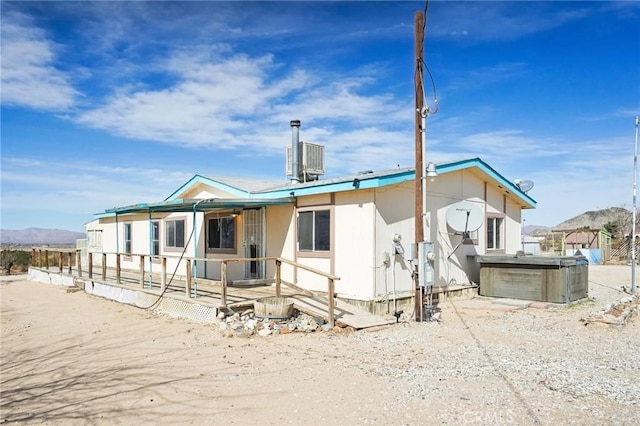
pixel 556 279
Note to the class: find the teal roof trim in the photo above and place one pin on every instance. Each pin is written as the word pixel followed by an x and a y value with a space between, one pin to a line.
pixel 350 184
pixel 191 205
pixel 487 169
pixel 283 194
pixel 207 181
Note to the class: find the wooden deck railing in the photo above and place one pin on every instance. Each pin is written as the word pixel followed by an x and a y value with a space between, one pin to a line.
pixel 40 258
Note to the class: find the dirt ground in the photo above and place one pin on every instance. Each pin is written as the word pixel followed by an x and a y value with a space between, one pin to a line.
pixel 70 358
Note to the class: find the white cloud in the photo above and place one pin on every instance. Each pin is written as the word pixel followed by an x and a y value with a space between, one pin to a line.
pixel 29 76
pixel 81 187
pixel 475 22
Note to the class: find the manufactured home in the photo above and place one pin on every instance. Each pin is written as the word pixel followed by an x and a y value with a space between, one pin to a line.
pixel 359 228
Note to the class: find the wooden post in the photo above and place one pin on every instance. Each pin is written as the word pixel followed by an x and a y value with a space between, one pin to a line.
pixel 79 263
pixel 330 295
pixel 278 276
pixel 104 266
pixel 223 278
pixel 141 271
pixel 61 260
pixel 46 258
pixel 70 258
pixel 33 257
pixel 419 232
pixel 163 276
pixel 188 286
pixel 90 264
pixel 118 268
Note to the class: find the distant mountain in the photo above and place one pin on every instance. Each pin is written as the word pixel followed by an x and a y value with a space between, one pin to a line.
pixel 598 219
pixel 36 236
pixel 534 229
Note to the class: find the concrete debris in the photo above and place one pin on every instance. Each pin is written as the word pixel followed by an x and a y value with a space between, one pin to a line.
pixel 615 314
pixel 247 324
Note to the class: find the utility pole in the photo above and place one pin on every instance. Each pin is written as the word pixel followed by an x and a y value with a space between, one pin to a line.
pixel 419 233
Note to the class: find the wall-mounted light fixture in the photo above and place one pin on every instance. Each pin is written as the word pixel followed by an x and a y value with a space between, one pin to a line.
pixel 431 171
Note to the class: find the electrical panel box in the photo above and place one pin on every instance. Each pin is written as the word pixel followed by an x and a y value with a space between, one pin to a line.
pixel 426 264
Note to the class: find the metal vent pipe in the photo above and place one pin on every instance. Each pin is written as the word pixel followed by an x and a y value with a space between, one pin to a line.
pixel 295 155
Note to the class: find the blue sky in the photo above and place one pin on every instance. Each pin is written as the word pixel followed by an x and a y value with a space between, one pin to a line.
pixel 108 104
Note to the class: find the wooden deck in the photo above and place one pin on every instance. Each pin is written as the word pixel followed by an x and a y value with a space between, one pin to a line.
pixel 209 293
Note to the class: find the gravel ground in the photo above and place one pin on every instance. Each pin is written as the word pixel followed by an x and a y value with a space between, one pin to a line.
pixel 71 358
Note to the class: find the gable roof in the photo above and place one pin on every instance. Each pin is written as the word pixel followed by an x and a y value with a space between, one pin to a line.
pixel 249 188
pixel 254 192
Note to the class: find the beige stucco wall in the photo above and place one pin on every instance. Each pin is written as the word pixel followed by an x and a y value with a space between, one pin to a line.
pixel 364 223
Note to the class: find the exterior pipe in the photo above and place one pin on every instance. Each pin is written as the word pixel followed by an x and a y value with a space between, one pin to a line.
pixel 195 252
pixel 633 225
pixel 295 155
pixel 150 251
pixel 117 237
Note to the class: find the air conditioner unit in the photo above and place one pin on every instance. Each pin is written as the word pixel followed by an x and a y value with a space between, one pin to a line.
pixel 310 161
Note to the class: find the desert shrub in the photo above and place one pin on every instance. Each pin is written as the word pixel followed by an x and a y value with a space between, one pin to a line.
pixel 14 260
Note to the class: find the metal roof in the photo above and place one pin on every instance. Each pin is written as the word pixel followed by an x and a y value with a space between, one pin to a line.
pixel 194 205
pixel 255 192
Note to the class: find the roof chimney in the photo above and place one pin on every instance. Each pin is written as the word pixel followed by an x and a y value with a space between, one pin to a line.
pixel 295 155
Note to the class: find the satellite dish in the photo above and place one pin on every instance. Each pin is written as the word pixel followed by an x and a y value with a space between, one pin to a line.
pixel 524 185
pixel 465 216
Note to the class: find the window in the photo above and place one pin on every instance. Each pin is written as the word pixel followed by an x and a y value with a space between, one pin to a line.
pixel 127 238
pixel 174 233
pixel 95 239
pixel 494 233
pixel 314 230
pixel 221 233
pixel 155 238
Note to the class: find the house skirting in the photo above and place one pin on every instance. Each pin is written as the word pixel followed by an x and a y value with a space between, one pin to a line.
pixel 405 302
pixel 136 297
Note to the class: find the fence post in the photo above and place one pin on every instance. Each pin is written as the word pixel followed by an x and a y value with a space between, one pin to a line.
pixel 141 271
pixel 70 259
pixel 278 276
pixel 90 264
pixel 223 278
pixel 33 257
pixel 104 266
pixel 79 263
pixel 46 259
pixel 61 261
pixel 118 268
pixel 188 286
pixel 39 258
pixel 163 276
pixel 332 322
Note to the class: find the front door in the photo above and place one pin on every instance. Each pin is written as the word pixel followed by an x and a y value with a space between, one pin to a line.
pixel 254 243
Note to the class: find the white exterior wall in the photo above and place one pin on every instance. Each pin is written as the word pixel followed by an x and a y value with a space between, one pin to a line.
pixel 304 278
pixel 394 206
pixel 452 263
pixel 281 223
pixel 513 228
pixel 354 247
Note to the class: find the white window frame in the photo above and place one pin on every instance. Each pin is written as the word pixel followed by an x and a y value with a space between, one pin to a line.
pixel 170 243
pixel 495 233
